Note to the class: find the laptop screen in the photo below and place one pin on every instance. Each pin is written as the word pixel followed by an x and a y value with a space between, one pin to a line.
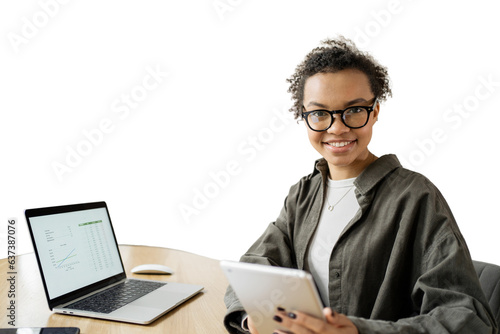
pixel 75 249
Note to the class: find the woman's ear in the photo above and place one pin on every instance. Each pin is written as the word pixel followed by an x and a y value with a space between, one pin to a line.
pixel 376 111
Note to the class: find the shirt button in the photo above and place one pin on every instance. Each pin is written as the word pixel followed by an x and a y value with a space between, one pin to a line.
pixel 337 274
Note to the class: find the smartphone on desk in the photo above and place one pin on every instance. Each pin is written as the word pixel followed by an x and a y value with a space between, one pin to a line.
pixel 40 330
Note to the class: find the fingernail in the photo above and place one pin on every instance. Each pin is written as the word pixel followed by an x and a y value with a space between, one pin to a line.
pixel 292 315
pixel 280 309
pixel 277 318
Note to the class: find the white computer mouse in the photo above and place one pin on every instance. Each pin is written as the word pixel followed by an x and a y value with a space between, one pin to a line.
pixel 152 269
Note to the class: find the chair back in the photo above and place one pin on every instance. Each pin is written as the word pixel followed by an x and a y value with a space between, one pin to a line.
pixel 489 277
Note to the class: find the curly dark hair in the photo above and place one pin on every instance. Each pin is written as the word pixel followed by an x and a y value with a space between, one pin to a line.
pixel 334 55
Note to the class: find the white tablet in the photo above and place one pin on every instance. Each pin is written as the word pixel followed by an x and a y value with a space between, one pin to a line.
pixel 262 289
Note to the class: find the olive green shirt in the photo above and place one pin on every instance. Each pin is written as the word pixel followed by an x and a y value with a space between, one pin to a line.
pixel 401 265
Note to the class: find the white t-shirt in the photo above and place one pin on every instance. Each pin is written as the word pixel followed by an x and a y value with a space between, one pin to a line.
pixel 340 195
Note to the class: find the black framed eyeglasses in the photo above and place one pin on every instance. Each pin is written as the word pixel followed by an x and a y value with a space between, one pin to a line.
pixel 354 117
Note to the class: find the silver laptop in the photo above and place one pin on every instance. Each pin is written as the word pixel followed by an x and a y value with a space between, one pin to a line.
pixel 82 270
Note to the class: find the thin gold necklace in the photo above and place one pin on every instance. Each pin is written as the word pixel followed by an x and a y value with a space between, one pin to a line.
pixel 331 207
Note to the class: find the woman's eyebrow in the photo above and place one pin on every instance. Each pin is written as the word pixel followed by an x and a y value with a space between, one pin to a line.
pixel 348 103
pixel 316 104
pixel 358 100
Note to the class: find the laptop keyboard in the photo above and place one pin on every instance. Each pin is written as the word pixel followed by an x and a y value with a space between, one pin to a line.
pixel 113 298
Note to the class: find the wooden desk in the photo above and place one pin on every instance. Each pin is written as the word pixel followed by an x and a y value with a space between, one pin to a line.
pixel 201 314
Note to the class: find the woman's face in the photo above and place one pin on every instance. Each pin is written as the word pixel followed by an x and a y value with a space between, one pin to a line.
pixel 345 149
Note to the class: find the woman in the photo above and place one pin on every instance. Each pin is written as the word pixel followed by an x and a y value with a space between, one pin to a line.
pixel 380 241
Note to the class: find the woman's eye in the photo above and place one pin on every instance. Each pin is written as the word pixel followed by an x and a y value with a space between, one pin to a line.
pixel 354 110
pixel 319 113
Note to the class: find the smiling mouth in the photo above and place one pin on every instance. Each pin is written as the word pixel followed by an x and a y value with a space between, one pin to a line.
pixel 340 143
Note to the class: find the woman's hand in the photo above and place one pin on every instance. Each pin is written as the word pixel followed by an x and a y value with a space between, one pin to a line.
pixel 300 323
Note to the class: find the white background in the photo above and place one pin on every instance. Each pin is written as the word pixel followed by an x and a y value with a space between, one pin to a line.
pixel 66 67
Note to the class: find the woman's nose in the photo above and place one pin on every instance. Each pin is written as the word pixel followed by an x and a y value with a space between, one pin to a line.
pixel 338 127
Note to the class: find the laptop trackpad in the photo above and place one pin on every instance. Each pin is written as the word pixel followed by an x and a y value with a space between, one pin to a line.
pixel 150 306
pixel 161 299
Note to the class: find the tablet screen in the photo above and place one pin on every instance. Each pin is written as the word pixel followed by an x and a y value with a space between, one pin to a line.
pixel 262 289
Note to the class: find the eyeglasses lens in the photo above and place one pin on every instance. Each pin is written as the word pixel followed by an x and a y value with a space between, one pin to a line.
pixel 355 117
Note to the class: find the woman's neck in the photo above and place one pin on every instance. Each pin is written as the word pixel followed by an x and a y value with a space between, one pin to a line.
pixel 353 170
